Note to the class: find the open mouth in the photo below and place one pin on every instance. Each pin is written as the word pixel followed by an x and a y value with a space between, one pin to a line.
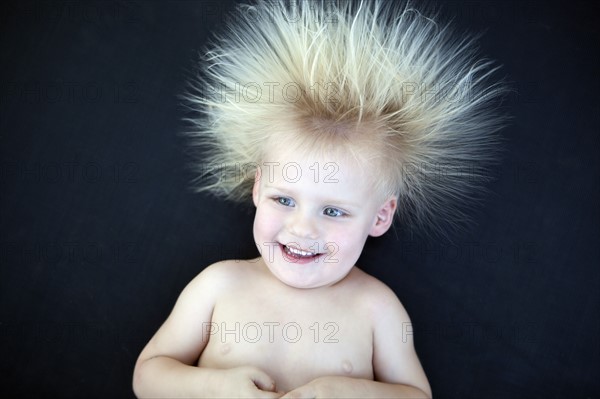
pixel 297 255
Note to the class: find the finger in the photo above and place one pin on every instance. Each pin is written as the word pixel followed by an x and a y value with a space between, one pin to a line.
pixel 299 393
pixel 266 394
pixel 263 381
pixel 269 395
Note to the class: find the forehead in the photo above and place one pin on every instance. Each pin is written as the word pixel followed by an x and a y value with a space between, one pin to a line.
pixel 324 155
pixel 284 163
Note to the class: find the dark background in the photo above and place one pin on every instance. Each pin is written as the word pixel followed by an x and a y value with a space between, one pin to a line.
pixel 99 231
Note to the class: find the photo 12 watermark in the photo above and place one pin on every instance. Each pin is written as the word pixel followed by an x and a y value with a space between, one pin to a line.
pixel 67 172
pixel 470 333
pixel 69 92
pixel 107 13
pixel 70 252
pixel 290 172
pixel 271 92
pixel 271 331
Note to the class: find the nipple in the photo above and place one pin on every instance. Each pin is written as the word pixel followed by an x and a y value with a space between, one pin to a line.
pixel 347 367
pixel 225 349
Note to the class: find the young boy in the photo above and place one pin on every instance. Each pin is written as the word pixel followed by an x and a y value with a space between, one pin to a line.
pixel 344 114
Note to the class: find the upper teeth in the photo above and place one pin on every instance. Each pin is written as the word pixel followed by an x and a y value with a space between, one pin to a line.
pixel 300 252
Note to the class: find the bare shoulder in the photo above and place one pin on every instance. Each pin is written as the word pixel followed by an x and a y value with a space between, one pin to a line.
pixel 181 335
pixel 222 275
pixel 203 292
pixel 380 299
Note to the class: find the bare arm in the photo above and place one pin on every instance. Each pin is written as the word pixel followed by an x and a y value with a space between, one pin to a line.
pixel 347 387
pixel 165 368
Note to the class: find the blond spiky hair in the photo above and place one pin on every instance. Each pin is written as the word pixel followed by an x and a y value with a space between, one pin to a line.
pixel 386 77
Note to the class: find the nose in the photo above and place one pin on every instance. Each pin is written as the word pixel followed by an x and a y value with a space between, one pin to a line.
pixel 303 226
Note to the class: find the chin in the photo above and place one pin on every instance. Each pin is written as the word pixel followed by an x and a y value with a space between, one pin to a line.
pixel 297 280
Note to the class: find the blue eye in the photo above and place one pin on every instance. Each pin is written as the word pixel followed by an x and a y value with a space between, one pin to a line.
pixel 333 212
pixel 284 201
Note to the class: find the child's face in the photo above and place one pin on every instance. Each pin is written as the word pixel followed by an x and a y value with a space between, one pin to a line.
pixel 313 217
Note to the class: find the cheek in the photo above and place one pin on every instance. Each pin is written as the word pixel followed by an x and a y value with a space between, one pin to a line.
pixel 349 239
pixel 266 221
pixel 350 233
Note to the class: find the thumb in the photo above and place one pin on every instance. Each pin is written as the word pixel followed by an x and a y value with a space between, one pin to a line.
pixel 263 381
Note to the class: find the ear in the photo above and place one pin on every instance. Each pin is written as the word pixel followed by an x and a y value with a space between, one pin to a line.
pixel 256 186
pixel 385 217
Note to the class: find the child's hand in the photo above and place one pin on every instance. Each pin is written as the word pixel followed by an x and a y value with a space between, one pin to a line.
pixel 317 388
pixel 248 382
pixel 329 387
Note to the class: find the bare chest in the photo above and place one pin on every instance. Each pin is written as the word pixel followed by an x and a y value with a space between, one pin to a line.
pixel 293 341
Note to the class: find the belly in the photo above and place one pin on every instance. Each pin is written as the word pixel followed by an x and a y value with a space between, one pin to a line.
pixel 292 353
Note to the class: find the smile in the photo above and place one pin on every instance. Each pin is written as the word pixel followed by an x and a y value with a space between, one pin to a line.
pixel 297 255
pixel 298 252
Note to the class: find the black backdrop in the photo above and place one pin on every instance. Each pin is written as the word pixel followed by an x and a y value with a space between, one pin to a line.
pixel 99 232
